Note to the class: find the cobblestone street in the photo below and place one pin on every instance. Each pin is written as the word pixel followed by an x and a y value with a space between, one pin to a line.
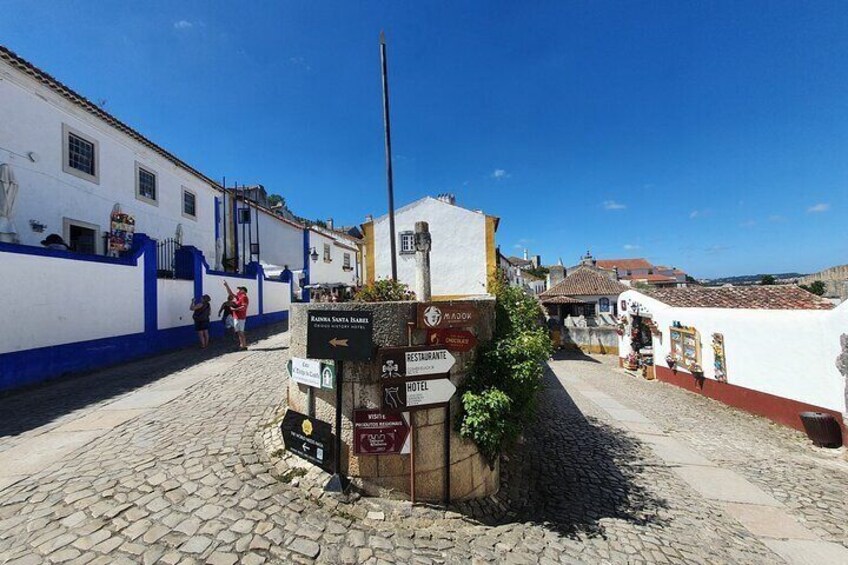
pixel 164 460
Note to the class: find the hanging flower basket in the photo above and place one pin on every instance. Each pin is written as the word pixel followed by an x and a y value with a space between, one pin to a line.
pixel 670 361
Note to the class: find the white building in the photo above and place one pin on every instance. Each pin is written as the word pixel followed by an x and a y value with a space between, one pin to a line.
pixel 770 350
pixel 74 162
pixel 333 258
pixel 462 255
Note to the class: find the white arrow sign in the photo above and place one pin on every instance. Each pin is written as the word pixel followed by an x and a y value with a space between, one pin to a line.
pixel 306 371
pixel 434 362
pixel 431 391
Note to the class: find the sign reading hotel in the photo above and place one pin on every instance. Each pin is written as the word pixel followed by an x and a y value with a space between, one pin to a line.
pixel 405 362
pixel 378 433
pixel 437 315
pixel 400 396
pixel 344 335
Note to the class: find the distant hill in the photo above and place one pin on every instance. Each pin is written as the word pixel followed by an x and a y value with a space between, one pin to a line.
pixel 746 280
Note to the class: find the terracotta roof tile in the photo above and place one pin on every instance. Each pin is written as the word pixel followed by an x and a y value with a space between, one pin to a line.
pixel 779 297
pixel 625 264
pixel 584 281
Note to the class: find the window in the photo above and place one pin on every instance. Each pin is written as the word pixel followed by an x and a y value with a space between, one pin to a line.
pixel 346 262
pixel 604 304
pixel 407 242
pixel 145 185
pixel 189 204
pixel 81 237
pixel 327 257
pixel 80 155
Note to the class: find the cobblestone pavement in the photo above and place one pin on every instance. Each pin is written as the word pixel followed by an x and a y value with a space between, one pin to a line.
pixel 185 477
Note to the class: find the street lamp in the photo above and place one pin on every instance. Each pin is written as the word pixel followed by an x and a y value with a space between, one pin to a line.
pixel 314 255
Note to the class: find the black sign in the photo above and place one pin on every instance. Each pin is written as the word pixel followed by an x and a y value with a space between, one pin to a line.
pixel 344 335
pixel 309 439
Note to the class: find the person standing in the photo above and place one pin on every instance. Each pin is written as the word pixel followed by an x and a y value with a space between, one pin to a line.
pixel 286 277
pixel 240 302
pixel 200 313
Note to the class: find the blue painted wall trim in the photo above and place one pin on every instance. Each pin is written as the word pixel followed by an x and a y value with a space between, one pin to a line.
pixel 151 314
pixel 304 294
pixel 217 219
pixel 32 366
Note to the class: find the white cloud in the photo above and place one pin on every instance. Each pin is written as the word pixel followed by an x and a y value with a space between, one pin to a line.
pixel 748 224
pixel 183 24
pixel 694 214
pixel 632 247
pixel 613 205
pixel 499 174
pixel 820 207
pixel 714 249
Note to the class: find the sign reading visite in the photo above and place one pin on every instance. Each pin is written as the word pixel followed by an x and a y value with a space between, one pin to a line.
pixel 437 315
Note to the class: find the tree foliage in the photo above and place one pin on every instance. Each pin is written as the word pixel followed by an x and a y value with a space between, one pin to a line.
pixel 767 280
pixel 816 287
pixel 499 397
pixel 384 290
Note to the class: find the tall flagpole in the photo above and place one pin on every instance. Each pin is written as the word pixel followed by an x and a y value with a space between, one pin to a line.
pixel 388 154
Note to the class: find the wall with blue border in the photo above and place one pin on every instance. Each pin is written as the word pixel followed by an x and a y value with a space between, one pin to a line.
pixel 39 364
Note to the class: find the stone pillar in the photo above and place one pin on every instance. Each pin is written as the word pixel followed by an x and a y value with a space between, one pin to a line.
pixel 422 261
pixel 842 365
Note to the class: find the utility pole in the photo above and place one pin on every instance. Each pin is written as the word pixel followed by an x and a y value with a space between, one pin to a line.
pixel 388 154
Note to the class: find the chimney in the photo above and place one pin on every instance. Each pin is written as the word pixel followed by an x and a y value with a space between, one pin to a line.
pixel 329 223
pixel 447 198
pixel 369 218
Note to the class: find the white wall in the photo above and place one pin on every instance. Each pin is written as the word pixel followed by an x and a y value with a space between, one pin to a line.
pixel 458 252
pixel 276 296
pixel 321 271
pixel 786 353
pixel 31 122
pixel 173 299
pixel 52 301
pixel 281 243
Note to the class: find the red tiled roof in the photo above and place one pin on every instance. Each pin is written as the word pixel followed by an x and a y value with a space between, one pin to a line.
pixel 560 300
pixel 625 264
pixel 778 297
pixel 649 278
pixel 584 281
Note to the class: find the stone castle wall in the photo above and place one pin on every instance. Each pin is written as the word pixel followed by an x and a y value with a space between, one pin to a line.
pixel 388 475
pixel 834 278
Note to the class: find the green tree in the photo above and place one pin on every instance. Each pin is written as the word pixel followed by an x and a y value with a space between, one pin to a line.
pixel 499 398
pixel 816 287
pixel 767 280
pixel 275 199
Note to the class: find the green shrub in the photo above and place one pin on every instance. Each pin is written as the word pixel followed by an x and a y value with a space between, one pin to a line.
pixel 384 290
pixel 500 395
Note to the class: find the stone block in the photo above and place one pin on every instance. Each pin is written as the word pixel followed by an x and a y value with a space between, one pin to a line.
pixel 392 465
pixel 462 479
pixel 429 448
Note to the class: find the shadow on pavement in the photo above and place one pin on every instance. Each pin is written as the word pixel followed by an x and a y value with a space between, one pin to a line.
pixel 572 355
pixel 570 472
pixel 30 407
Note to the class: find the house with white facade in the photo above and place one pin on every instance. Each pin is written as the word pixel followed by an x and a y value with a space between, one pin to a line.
pixel 333 263
pixel 463 254
pixel 769 350
pixel 586 292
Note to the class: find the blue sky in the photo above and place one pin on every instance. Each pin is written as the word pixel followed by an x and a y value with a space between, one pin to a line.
pixel 707 135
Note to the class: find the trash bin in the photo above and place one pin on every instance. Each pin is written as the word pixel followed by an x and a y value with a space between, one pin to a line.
pixel 823 429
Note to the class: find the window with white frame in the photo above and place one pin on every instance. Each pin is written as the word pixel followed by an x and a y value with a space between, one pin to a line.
pixel 189 204
pixel 327 256
pixel 145 185
pixel 346 261
pixel 80 155
pixel 407 242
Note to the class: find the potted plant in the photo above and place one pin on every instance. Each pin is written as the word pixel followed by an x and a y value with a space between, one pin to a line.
pixel 632 361
pixel 670 361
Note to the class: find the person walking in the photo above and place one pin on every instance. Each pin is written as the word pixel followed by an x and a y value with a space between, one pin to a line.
pixel 240 302
pixel 200 313
pixel 225 312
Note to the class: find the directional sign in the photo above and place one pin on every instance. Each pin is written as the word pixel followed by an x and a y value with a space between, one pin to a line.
pixel 308 438
pixel 345 335
pixel 328 376
pixel 400 396
pixel 438 315
pixel 306 371
pixel 403 362
pixel 378 433
pixel 455 340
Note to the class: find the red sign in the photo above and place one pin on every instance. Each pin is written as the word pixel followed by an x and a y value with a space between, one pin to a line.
pixel 455 340
pixel 439 315
pixel 377 433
